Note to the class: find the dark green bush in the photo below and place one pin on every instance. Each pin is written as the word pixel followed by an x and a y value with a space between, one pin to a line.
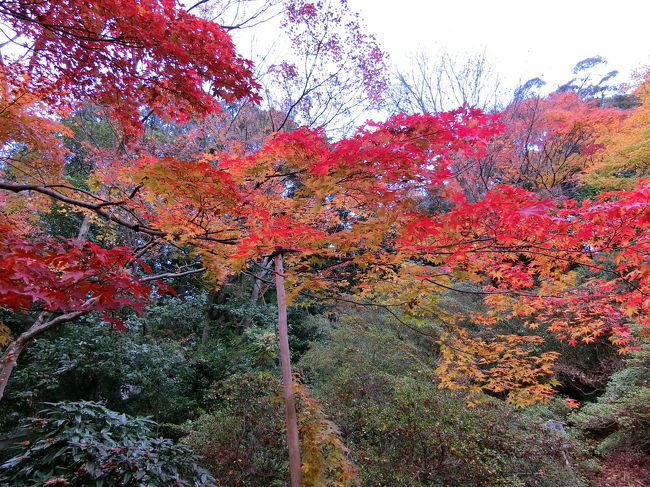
pixel 130 373
pixel 620 418
pixel 84 444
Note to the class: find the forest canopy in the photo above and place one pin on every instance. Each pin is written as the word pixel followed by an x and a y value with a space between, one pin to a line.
pixel 172 216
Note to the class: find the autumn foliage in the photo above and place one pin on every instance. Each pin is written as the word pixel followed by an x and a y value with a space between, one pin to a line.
pixel 545 146
pixel 577 270
pixel 624 160
pixel 359 204
pixel 403 214
pixel 124 55
pixel 60 276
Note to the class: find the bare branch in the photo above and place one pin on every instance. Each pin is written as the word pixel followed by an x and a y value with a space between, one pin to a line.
pixel 171 275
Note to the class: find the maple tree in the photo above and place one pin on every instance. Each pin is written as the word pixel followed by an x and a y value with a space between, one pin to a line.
pixel 121 62
pixel 334 207
pixel 546 144
pixel 577 270
pixel 64 280
pixel 116 60
pixel 301 200
pixel 379 217
pixel 625 158
pixel 124 55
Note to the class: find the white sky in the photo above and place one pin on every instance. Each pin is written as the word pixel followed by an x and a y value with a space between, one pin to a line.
pixel 522 38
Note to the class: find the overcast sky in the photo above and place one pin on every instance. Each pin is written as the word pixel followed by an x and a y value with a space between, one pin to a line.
pixel 523 39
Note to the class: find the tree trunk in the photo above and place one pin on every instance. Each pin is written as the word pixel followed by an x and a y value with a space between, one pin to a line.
pixel 207 322
pixel 84 228
pixel 257 283
pixel 287 377
pixel 256 292
pixel 216 317
pixel 15 348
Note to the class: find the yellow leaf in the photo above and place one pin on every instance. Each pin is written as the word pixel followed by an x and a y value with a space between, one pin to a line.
pixel 5 334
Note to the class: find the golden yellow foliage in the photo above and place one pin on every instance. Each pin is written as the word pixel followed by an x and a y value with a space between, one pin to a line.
pixel 627 155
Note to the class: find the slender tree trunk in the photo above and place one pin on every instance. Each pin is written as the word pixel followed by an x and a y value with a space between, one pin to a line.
pixel 15 348
pixel 207 322
pixel 256 292
pixel 84 228
pixel 257 284
pixel 287 377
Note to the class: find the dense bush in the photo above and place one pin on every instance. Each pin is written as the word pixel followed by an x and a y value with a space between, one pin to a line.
pixel 378 386
pixel 243 438
pixel 131 373
pixel 620 418
pixel 84 444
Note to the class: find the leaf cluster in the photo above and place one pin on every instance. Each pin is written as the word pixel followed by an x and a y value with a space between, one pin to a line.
pixel 84 444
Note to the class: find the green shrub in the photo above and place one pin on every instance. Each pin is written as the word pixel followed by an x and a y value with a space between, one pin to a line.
pixel 621 416
pixel 243 439
pixel 130 373
pixel 378 385
pixel 84 444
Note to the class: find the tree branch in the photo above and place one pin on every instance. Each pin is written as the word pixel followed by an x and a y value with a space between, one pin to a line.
pixel 170 275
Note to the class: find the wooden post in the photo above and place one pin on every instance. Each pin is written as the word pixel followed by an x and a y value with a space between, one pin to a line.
pixel 287 377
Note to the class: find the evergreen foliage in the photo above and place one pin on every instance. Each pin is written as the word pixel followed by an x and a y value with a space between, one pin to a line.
pixel 84 444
